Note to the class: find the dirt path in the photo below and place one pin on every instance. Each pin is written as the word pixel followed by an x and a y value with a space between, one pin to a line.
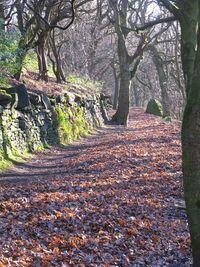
pixel 108 200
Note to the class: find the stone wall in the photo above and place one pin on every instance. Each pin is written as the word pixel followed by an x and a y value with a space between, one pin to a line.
pixel 30 122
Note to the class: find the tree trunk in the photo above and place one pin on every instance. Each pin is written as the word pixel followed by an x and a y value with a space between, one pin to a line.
pixel 159 64
pixel 56 60
pixel 20 59
pixel 189 26
pixel 191 123
pixel 2 17
pixel 121 115
pixel 116 92
pixel 136 95
pixel 191 165
pixel 42 60
pixel 59 70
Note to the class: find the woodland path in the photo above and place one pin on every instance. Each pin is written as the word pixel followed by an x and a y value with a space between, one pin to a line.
pixel 107 200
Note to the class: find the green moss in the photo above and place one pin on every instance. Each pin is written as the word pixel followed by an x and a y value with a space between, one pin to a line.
pixel 14 156
pixel 88 129
pixel 4 92
pixel 5 164
pixel 64 126
pixel 18 155
pixel 155 107
pixel 70 113
pixel 46 145
pixel 2 155
pixel 80 126
pixel 168 119
pixel 39 148
pixel 71 124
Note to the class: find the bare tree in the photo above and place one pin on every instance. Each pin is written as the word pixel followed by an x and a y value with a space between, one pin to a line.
pixel 121 15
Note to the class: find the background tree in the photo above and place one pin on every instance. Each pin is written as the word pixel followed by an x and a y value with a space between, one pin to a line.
pixel 120 13
pixel 35 20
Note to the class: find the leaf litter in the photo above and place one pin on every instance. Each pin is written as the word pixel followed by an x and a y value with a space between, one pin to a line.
pixel 108 200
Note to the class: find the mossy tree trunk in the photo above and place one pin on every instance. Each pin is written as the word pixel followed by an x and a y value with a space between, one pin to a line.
pixel 189 23
pixel 191 165
pixel 191 121
pixel 188 14
pixel 22 51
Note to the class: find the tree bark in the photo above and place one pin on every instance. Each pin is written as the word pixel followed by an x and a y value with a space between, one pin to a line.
pixel 20 59
pixel 191 123
pixel 191 165
pixel 159 64
pixel 42 60
pixel 136 95
pixel 2 17
pixel 56 60
pixel 189 27
pixel 116 91
pixel 121 115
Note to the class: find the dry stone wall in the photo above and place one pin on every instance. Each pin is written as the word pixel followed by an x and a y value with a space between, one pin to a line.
pixel 30 122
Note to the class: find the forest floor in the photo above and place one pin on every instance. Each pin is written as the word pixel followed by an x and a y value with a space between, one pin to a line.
pixel 112 199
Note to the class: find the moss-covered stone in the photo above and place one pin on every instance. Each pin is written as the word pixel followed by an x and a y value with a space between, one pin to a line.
pixel 155 107
pixel 168 119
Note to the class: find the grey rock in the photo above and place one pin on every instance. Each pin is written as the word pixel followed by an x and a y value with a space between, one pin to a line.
pixel 5 99
pixel 46 101
pixel 20 97
pixel 35 99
